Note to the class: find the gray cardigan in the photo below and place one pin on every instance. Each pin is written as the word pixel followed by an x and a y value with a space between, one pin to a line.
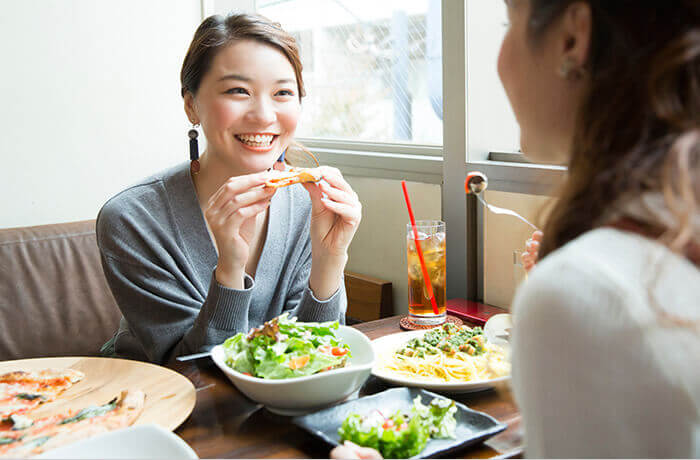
pixel 159 262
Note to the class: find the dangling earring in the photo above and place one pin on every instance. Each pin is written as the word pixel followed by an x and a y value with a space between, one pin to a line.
pixel 194 149
pixel 279 164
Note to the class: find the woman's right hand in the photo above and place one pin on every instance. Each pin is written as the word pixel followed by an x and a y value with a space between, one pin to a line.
pixel 532 247
pixel 231 214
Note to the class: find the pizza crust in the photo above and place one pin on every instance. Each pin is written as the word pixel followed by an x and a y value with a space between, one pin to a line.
pixel 71 375
pixel 22 391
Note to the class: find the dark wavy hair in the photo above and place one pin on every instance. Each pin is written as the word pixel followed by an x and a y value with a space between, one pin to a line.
pixel 217 32
pixel 638 128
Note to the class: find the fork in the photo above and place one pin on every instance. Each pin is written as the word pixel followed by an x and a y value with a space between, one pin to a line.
pixel 193 356
pixel 497 210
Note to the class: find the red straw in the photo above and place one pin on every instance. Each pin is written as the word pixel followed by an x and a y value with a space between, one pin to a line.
pixel 420 251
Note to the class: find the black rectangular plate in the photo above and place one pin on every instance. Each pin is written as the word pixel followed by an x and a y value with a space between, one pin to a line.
pixel 472 426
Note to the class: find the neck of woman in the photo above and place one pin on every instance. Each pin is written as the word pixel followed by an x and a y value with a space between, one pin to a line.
pixel 212 175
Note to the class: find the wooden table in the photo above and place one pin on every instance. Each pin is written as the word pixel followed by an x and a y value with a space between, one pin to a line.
pixel 225 424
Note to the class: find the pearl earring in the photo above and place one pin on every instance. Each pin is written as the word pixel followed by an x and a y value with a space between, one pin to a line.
pixel 570 70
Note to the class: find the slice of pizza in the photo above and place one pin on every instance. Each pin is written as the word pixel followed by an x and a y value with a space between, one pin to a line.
pixel 293 176
pixel 22 391
pixel 29 438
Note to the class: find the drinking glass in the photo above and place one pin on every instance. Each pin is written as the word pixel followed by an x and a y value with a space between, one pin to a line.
pixel 519 272
pixel 431 237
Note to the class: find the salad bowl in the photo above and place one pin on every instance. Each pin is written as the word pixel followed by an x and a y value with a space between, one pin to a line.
pixel 299 395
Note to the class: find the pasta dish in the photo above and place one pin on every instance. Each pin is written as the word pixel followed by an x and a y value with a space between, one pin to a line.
pixel 448 353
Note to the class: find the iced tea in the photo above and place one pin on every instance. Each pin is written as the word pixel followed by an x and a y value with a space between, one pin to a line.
pixel 431 235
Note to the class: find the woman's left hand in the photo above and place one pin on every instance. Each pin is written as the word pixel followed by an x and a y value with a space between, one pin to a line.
pixel 335 216
pixel 532 247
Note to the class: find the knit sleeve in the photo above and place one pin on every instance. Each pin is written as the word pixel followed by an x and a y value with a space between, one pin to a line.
pixel 165 311
pixel 301 301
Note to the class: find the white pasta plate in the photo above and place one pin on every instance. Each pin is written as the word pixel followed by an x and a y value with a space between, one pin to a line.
pixel 384 346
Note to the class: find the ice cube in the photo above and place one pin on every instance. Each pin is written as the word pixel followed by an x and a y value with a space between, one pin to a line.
pixel 414 270
pixel 421 236
pixel 437 275
pixel 438 238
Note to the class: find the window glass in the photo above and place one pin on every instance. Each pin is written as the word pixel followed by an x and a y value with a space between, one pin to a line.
pixel 372 68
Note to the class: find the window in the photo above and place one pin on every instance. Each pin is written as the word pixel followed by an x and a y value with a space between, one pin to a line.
pixel 372 69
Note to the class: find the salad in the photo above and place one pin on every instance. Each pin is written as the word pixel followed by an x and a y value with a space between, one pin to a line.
pixel 402 435
pixel 282 348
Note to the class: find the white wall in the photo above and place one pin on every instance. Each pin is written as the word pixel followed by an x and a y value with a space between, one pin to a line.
pixel 504 234
pixel 90 101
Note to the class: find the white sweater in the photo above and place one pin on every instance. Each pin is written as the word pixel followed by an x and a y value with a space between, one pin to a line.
pixel 595 373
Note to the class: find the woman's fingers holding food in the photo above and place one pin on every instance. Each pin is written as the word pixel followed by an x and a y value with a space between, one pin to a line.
pixel 339 195
pixel 241 198
pixel 315 194
pixel 350 213
pixel 239 215
pixel 335 178
pixel 240 184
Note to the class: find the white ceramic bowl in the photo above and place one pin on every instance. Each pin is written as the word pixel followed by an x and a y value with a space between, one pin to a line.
pixel 306 394
pixel 137 441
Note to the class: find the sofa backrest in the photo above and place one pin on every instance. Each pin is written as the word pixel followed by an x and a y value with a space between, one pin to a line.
pixel 54 299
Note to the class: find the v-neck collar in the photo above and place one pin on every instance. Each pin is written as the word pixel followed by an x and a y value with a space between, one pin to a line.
pixel 270 257
pixel 197 242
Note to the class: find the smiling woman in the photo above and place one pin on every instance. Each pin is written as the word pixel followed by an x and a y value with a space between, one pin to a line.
pixel 194 255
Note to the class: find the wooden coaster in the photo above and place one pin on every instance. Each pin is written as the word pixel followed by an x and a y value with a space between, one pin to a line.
pixel 408 325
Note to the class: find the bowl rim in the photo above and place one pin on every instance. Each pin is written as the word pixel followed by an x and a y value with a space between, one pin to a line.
pixel 218 350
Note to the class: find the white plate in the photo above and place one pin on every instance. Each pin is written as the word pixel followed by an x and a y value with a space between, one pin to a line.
pixel 498 328
pixel 138 441
pixel 390 343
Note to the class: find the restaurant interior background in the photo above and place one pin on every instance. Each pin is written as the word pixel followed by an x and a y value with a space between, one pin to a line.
pixel 91 104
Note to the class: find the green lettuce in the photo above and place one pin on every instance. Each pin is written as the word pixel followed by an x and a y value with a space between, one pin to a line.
pixel 402 435
pixel 283 348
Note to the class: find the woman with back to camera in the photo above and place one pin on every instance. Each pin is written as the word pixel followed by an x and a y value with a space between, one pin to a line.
pixel 606 341
pixel 204 250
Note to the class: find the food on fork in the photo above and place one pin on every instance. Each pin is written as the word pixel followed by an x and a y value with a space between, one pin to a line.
pixel 23 437
pixel 22 391
pixel 293 176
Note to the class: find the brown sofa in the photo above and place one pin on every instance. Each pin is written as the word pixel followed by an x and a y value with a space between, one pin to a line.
pixel 54 299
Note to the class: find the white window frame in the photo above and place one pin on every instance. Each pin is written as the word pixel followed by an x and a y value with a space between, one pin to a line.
pixel 463 217
pixel 448 164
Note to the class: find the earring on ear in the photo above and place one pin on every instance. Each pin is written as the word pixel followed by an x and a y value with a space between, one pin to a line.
pixel 194 149
pixel 279 164
pixel 570 70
